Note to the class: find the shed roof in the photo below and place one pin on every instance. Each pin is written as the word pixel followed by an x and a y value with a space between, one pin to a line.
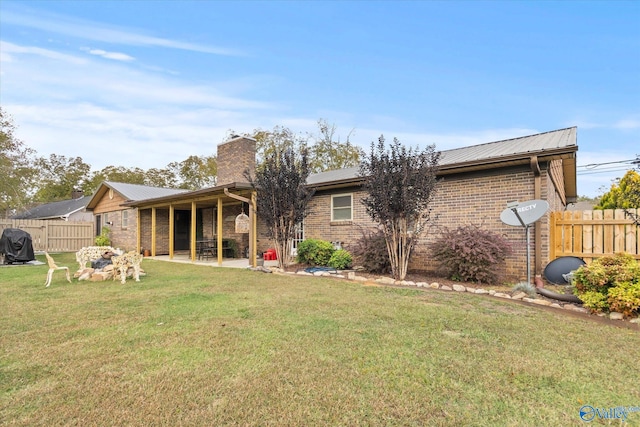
pixel 55 210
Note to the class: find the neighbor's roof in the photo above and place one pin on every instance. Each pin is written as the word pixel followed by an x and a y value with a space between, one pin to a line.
pixel 55 210
pixel 554 144
pixel 131 192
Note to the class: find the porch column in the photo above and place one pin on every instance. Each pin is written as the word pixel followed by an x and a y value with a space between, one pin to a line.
pixel 138 232
pixel 253 238
pixel 171 231
pixel 192 237
pixel 219 231
pixel 153 231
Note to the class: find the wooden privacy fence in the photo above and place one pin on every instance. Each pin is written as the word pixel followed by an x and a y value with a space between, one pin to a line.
pixel 592 234
pixel 54 235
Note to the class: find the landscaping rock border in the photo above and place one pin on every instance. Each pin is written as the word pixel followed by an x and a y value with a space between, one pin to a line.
pixel 517 296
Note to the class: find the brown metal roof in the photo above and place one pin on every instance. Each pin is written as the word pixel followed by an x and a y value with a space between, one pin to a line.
pixel 545 146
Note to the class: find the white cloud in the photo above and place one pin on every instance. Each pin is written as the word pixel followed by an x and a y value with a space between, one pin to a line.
pixel 627 124
pixel 96 31
pixel 110 55
pixel 8 49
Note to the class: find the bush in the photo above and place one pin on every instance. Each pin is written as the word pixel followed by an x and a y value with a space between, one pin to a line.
pixel 610 283
pixel 470 253
pixel 315 252
pixel 340 259
pixel 625 298
pixel 370 251
pixel 103 239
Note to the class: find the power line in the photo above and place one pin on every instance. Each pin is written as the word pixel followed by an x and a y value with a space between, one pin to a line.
pixel 635 161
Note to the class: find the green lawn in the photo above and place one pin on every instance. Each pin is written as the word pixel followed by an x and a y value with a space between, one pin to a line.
pixel 194 345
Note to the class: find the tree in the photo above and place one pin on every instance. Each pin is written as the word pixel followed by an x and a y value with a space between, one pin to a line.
pixel 59 176
pixel 16 169
pixel 283 197
pixel 115 174
pixel 624 195
pixel 326 152
pixel 280 139
pixel 195 172
pixel 400 184
pixel 164 178
pixel 329 153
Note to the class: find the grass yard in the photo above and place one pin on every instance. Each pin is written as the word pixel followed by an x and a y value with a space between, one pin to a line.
pixel 194 345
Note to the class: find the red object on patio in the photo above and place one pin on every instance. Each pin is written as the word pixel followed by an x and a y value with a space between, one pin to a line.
pixel 270 255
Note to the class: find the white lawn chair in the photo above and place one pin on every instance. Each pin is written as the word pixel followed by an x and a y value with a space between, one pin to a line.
pixel 53 267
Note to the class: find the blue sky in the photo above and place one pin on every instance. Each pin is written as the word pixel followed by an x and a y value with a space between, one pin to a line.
pixel 145 83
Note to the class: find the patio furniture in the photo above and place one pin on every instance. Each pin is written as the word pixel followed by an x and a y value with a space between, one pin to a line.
pixel 209 248
pixel 54 267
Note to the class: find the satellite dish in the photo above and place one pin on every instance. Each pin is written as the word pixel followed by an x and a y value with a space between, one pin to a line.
pixel 556 270
pixel 529 212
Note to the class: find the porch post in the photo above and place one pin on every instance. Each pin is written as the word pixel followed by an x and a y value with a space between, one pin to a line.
pixel 219 231
pixel 153 231
pixel 192 236
pixel 138 232
pixel 253 238
pixel 171 230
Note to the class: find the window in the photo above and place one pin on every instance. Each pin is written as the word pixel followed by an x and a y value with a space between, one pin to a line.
pixel 105 219
pixel 125 219
pixel 341 207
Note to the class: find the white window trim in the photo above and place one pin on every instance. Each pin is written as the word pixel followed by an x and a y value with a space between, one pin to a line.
pixel 124 219
pixel 350 207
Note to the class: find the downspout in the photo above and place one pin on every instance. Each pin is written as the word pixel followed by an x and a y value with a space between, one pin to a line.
pixel 537 194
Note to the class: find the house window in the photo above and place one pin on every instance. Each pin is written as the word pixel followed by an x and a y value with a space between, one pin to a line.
pixel 125 219
pixel 298 236
pixel 341 207
pixel 105 219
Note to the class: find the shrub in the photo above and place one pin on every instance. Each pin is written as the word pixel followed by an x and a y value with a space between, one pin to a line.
pixel 103 239
pixel 315 252
pixel 340 259
pixel 370 251
pixel 610 283
pixel 470 253
pixel 625 298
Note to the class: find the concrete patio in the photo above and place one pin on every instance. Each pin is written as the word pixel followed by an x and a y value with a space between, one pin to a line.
pixel 184 258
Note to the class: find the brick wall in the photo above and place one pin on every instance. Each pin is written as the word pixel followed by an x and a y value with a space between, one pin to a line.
pixel 122 236
pixel 234 157
pixel 162 230
pixel 474 198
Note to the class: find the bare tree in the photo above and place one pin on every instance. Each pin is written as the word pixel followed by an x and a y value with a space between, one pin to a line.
pixel 283 196
pixel 400 184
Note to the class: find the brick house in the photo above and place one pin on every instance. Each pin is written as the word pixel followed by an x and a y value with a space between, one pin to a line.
pixel 107 206
pixel 476 184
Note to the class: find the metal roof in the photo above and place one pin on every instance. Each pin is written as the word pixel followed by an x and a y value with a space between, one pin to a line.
pixel 53 210
pixel 141 192
pixel 529 145
pixel 552 143
pixel 131 192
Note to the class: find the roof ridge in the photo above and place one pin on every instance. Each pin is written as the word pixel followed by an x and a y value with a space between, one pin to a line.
pixel 510 139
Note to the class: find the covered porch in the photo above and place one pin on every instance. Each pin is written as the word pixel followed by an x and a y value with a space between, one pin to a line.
pixel 192 226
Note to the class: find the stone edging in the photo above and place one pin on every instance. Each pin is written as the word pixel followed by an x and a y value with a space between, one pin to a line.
pixel 518 296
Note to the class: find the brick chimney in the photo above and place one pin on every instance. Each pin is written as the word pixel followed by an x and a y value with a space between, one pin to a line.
pixel 234 157
pixel 76 194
